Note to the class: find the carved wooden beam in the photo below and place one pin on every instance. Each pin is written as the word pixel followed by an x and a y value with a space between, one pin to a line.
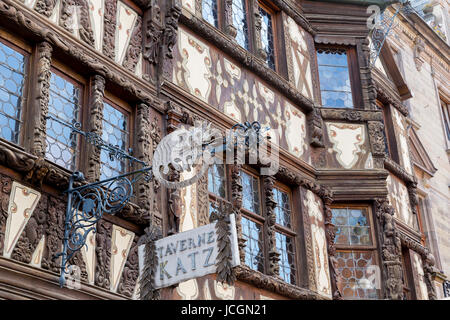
pixel 96 126
pixel 351 115
pixel 390 249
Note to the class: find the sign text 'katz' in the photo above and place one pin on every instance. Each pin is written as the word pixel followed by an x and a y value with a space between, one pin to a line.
pixel 189 254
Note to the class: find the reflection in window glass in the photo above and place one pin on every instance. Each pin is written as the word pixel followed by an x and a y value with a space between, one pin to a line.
pixel 216 180
pixel 352 226
pixel 334 78
pixel 267 37
pixel 250 193
pixel 283 208
pixel 209 12
pixel 115 132
pixel 12 76
pixel 358 271
pixel 285 246
pixel 251 232
pixel 240 23
pixel 64 104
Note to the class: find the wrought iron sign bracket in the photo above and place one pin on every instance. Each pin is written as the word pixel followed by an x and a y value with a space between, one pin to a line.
pixel 87 203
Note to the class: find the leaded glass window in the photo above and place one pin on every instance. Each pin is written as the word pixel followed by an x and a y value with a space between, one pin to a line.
pixel 241 23
pixel 285 247
pixel 267 37
pixel 335 85
pixel 283 208
pixel 12 79
pixel 252 233
pixel 250 193
pixel 352 226
pixel 115 132
pixel 209 12
pixel 64 104
pixel 217 185
pixel 356 252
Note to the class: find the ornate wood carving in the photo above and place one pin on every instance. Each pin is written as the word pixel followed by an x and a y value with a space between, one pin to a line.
pixel 330 234
pixel 32 234
pixel 257 25
pixel 368 91
pixel 391 250
pixel 77 9
pixel 225 271
pixel 171 28
pixel 5 190
pixel 230 29
pixel 248 60
pixel 153 32
pixel 376 139
pixel 274 284
pixel 45 7
pixel 286 7
pixel 428 262
pixel 315 128
pixel 54 233
pixel 384 96
pixel 134 48
pixel 109 27
pixel 236 194
pixel 147 279
pixel 103 254
pixel 270 204
pixel 15 159
pixel 398 170
pixel 96 126
pixel 41 97
pixel 202 201
pixel 351 115
pixel 130 272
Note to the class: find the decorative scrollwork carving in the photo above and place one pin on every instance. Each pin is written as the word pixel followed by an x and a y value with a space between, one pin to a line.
pixel 147 279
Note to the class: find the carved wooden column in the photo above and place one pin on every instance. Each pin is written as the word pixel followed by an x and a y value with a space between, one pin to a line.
pixel 169 38
pixel 391 250
pixel 97 84
pixel 236 195
pixel 376 138
pixel 314 119
pixel 369 92
pixel 274 255
pixel 38 126
pixel 230 29
pixel 109 27
pixel 257 26
pixel 330 233
pixel 143 151
pixel 153 33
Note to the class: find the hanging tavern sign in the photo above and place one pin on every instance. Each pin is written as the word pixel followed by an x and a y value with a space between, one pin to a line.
pixel 190 254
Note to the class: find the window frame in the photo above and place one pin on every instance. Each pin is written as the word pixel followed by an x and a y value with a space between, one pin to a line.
pixel 25 49
pixel 123 107
pixel 444 106
pixel 71 76
pixel 291 232
pixel 389 130
pixel 275 13
pixel 374 248
pixel 353 71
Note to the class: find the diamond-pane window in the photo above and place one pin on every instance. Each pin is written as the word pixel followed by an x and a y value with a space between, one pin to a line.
pixel 250 192
pixel 240 23
pixel 267 37
pixel 252 233
pixel 334 75
pixel 283 208
pixel 115 132
pixel 64 104
pixel 209 12
pixel 12 79
pixel 285 247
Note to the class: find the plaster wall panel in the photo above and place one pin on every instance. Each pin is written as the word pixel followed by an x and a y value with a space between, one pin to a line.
pixel 121 241
pixel 22 203
pixel 126 20
pixel 319 243
pixel 96 15
pixel 421 287
pixel 399 198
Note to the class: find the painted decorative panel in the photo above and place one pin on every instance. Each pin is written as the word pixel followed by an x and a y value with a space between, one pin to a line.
pixel 298 40
pixel 319 243
pixel 189 5
pixel 121 241
pixel 206 73
pixel 97 21
pixel 401 133
pixel 417 266
pixel 399 199
pixel 22 203
pixel 348 146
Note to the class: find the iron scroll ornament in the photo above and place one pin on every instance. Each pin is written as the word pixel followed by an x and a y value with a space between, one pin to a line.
pixel 87 203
